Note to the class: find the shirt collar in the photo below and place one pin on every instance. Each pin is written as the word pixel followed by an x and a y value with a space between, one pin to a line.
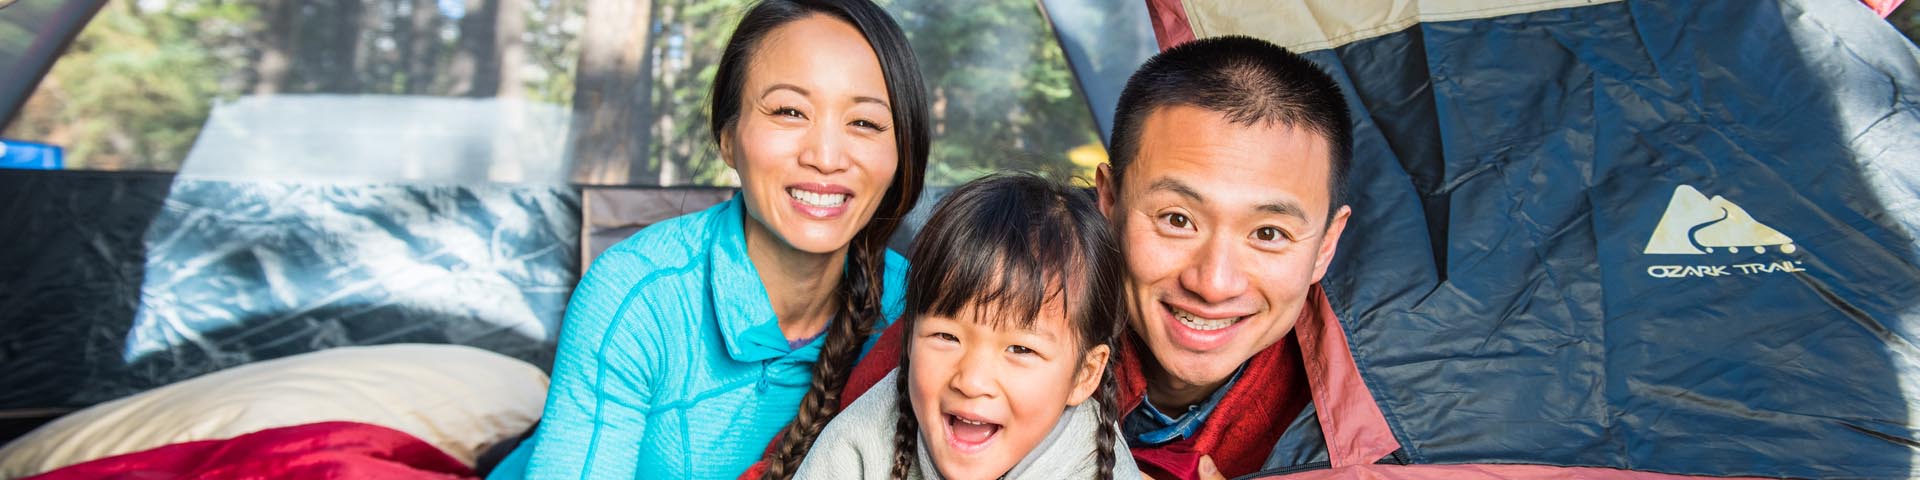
pixel 1356 429
pixel 1148 425
pixel 748 326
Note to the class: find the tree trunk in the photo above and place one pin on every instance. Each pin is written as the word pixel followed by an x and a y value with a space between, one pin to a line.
pixel 469 70
pixel 419 40
pixel 510 24
pixel 612 105
pixel 278 41
pixel 342 58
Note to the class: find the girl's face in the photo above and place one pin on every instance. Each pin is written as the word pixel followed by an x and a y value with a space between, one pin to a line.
pixel 985 397
pixel 814 144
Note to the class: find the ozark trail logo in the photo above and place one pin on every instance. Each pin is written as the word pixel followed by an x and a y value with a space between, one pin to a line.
pixel 1696 225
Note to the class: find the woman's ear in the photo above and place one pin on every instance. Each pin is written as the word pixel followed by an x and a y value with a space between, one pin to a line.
pixel 1086 380
pixel 727 145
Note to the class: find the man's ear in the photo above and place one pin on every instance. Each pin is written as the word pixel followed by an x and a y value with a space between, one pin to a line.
pixel 1331 241
pixel 1107 190
pixel 1086 379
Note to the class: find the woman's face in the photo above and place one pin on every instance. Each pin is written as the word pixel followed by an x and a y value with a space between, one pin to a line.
pixel 814 144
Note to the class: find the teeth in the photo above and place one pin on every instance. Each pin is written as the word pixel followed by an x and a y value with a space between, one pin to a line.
pixel 969 422
pixel 818 199
pixel 1195 322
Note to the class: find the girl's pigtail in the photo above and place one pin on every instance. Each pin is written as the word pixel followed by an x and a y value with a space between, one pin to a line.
pixel 1109 435
pixel 906 430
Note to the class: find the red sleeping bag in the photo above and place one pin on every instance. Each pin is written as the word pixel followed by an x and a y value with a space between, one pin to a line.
pixel 340 450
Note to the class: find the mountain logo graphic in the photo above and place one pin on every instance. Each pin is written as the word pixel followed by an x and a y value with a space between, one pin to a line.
pixel 1697 225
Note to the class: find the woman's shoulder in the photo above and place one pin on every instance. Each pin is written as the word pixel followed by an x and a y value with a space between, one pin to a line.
pixel 650 273
pixel 671 242
pixel 893 290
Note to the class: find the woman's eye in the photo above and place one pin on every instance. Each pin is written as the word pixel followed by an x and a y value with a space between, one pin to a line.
pixel 1177 220
pixel 788 112
pixel 865 124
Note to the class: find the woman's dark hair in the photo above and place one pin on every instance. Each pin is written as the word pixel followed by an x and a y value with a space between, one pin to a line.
pixel 860 285
pixel 1009 245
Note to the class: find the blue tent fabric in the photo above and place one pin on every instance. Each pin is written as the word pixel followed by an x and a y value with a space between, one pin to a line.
pixel 1511 172
pixel 117 283
pixel 1667 236
pixel 32 33
pixel 1104 42
pixel 70 272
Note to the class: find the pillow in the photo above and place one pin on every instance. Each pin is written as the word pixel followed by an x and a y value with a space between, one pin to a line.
pixel 460 399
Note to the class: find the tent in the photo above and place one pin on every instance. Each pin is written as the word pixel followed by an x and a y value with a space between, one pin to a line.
pixel 190 186
pixel 1656 235
pixel 1664 236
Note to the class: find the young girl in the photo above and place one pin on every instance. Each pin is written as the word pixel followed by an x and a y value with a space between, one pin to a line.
pixel 1014 305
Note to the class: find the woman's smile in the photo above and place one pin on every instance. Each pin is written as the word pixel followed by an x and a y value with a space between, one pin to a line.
pixel 819 200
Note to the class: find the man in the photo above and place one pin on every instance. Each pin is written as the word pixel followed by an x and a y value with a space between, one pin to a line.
pixel 1226 189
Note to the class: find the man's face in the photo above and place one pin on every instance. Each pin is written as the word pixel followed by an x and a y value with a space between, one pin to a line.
pixel 1224 228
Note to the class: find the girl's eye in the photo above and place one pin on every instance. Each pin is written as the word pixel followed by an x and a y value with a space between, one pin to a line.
pixel 788 112
pixel 1177 220
pixel 946 336
pixel 1019 350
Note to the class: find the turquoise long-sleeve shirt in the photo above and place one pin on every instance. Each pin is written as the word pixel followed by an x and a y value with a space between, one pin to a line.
pixel 671 363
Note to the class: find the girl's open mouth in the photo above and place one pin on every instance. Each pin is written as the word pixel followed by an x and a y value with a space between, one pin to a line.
pixel 968 435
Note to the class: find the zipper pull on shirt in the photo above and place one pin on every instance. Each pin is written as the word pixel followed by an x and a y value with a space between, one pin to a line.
pixel 766 372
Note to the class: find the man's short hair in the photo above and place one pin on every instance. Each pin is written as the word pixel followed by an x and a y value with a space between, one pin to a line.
pixel 1251 82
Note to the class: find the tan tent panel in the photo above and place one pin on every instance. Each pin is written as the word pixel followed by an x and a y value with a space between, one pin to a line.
pixel 1306 25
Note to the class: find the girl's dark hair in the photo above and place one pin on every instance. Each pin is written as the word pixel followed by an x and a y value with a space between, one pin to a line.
pixel 1008 244
pixel 860 285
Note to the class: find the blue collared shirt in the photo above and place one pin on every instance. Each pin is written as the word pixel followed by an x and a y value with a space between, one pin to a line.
pixel 1149 426
pixel 671 363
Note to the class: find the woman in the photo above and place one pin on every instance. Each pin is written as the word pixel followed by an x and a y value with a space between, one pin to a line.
pixel 689 346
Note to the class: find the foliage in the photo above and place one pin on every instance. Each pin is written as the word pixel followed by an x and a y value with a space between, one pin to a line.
pixel 1906 17
pixel 134 89
pixel 1003 96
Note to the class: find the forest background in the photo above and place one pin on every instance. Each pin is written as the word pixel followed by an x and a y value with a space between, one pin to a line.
pixel 135 89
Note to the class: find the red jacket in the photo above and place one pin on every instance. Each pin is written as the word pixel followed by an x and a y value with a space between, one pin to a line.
pixel 1243 428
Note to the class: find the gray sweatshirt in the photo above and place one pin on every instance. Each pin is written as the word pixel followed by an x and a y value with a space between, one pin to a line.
pixel 858 444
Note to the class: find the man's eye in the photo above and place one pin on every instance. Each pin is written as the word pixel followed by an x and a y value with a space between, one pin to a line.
pixel 1178 220
pixel 1268 234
